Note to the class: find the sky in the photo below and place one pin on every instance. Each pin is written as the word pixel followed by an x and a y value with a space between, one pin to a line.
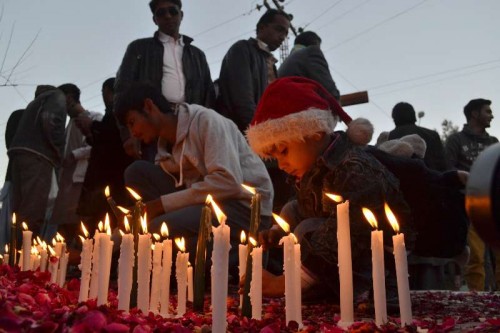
pixel 435 54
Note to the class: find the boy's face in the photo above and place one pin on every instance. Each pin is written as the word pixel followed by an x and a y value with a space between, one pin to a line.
pixel 296 157
pixel 141 126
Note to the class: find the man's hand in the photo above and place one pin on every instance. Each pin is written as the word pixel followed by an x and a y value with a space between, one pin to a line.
pixel 272 285
pixel 84 123
pixel 270 238
pixel 132 148
pixel 154 208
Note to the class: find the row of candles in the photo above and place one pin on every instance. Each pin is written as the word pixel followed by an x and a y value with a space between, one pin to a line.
pixel 155 260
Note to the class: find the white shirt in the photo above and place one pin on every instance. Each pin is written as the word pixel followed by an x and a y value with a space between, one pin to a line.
pixel 173 81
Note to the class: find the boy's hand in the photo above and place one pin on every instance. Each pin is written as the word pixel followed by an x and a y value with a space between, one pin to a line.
pixel 154 208
pixel 270 238
pixel 272 285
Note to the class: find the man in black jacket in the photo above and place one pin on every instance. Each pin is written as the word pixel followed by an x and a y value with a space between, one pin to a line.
pixel 404 118
pixel 168 61
pixel 307 60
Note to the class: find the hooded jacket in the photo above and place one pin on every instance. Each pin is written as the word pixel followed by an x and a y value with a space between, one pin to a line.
pixel 211 156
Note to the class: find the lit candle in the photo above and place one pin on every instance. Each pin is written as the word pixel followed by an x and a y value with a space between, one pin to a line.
pixel 220 266
pixel 166 271
pixel 154 302
pixel 246 307
pixel 292 270
pixel 242 256
pixel 85 265
pixel 43 257
pixel 112 203
pixel 143 268
pixel 63 269
pixel 94 277
pixel 398 241
pixel 60 247
pixel 53 264
pixel 181 265
pixel 378 269
pixel 125 270
pixel 204 231
pixel 13 241
pixel 344 262
pixel 105 252
pixel 256 283
pixel 2 259
pixel 6 255
pixel 26 248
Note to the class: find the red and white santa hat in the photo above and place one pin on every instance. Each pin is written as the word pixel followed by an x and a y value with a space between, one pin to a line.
pixel 293 108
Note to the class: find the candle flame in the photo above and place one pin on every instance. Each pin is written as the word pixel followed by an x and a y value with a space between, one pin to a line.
pixel 44 245
pixel 156 237
pixel 108 231
pixel 25 226
pixel 335 197
pixel 59 238
pixel 152 247
pixel 84 230
pixel 243 237
pixel 100 226
pixel 52 252
pixel 282 223
pixel 136 196
pixel 144 224
pixel 34 242
pixel 106 223
pixel 106 191
pixel 249 189
pixel 164 230
pixel 14 219
pixel 121 232
pixel 126 224
pixel 391 217
pixel 6 248
pixel 54 242
pixel 38 240
pixel 370 217
pixel 208 199
pixel 181 244
pixel 123 209
pixel 252 241
pixel 1 256
pixel 221 217
pixel 81 238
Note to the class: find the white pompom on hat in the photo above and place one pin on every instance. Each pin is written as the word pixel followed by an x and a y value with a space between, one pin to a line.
pixel 293 108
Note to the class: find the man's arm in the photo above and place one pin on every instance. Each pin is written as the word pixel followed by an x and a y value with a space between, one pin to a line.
pixel 237 85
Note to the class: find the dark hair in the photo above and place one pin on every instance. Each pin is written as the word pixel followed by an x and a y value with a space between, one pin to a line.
pixel 110 84
pixel 475 105
pixel 308 38
pixel 403 114
pixel 133 97
pixel 154 3
pixel 40 89
pixel 70 89
pixel 268 17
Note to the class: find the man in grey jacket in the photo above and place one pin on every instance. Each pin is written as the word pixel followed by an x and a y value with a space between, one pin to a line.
pixel 307 60
pixel 36 152
pixel 199 152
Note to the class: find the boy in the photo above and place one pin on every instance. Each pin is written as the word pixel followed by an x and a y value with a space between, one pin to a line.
pixel 294 124
pixel 199 153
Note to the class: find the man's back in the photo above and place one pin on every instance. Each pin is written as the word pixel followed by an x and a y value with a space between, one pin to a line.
pixel 434 156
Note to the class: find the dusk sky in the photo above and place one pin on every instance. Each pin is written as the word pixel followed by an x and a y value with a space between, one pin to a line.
pixel 434 54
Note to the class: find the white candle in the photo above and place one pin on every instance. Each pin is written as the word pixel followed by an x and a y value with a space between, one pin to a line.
pixel 378 269
pixel 219 270
pixel 94 278
pixel 398 242
pixel 256 283
pixel 143 272
pixel 43 258
pixel 291 268
pixel 105 250
pixel 181 265
pixel 155 283
pixel 166 271
pixel 6 258
pixel 86 268
pixel 26 254
pixel 125 271
pixel 190 282
pixel 242 256
pixel 345 265
pixel 53 264
pixel 63 268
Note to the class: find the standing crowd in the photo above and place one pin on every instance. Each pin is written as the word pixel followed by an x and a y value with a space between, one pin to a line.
pixel 174 136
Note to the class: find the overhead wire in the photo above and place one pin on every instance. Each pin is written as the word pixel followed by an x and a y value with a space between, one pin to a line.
pixel 336 18
pixel 322 13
